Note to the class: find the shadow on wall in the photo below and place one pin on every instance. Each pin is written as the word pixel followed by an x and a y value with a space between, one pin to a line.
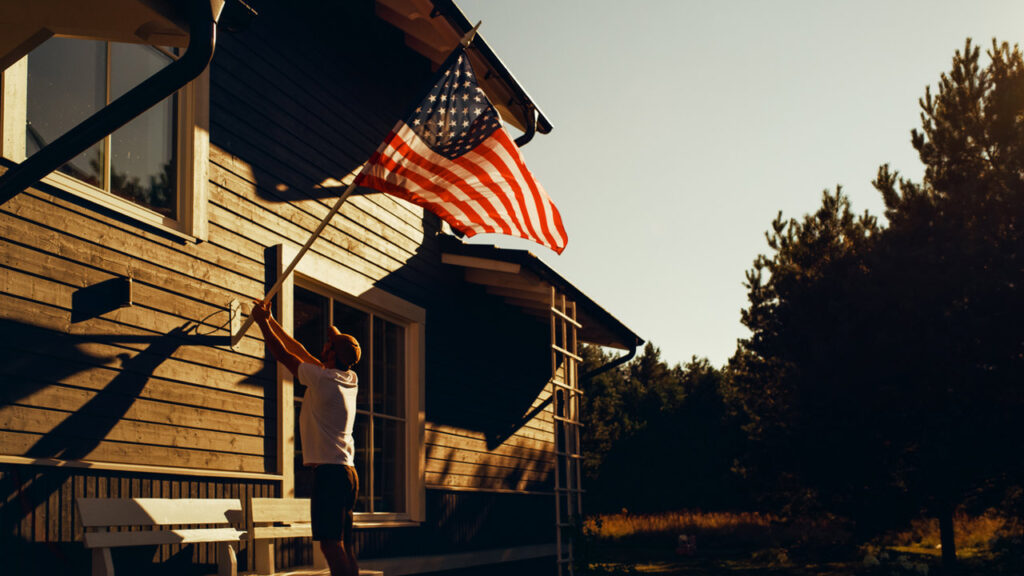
pixel 41 418
pixel 488 364
pixel 306 95
pixel 288 126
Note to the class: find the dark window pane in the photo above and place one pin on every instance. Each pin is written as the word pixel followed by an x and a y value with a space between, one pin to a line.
pixel 361 433
pixel 66 85
pixel 388 465
pixel 142 153
pixel 303 474
pixel 388 368
pixel 357 323
pixel 309 321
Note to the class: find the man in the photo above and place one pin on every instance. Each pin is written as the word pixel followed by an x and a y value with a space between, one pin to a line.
pixel 325 425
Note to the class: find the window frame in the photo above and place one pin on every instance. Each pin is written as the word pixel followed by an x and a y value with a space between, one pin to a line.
pixel 331 279
pixel 192 149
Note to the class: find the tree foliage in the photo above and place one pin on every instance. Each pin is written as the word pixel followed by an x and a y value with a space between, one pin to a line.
pixel 885 366
pixel 884 372
pixel 656 437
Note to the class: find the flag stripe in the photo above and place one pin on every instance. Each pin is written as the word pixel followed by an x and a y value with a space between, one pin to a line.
pixel 549 216
pixel 508 161
pixel 486 154
pixel 452 156
pixel 379 180
pixel 413 172
pixel 424 171
pixel 400 164
pixel 495 184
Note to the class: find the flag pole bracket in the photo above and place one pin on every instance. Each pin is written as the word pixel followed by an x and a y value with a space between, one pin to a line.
pixel 235 322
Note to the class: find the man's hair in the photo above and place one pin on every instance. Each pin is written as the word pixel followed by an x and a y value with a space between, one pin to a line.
pixel 346 349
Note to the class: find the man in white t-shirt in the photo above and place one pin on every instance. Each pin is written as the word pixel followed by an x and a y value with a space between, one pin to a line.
pixel 325 426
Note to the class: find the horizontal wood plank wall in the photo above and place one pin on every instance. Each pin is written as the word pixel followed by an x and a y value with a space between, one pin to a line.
pixel 461 458
pixel 39 524
pixel 147 385
pixel 280 129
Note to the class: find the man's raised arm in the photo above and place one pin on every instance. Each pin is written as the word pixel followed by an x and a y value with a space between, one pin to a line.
pixel 283 347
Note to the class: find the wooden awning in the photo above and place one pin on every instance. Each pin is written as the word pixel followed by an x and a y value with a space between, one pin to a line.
pixel 522 280
pixel 27 24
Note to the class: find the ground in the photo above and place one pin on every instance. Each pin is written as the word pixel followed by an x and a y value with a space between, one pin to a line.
pixel 748 544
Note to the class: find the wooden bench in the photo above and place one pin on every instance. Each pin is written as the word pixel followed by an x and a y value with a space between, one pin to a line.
pixel 164 518
pixel 270 518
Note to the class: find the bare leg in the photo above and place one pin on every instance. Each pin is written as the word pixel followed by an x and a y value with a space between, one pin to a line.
pixel 340 558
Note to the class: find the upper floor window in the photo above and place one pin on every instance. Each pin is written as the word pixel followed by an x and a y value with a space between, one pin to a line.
pixel 152 169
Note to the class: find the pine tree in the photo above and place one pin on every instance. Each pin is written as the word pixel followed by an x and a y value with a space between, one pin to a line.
pixel 883 375
pixel 954 266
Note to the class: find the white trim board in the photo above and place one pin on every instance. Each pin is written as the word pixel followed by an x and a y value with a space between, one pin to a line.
pixel 137 468
pixel 419 564
pixel 402 565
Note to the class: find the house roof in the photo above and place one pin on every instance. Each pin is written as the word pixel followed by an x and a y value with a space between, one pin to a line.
pixel 434 27
pixel 523 280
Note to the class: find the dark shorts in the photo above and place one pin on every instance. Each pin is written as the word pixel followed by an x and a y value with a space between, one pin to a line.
pixel 334 496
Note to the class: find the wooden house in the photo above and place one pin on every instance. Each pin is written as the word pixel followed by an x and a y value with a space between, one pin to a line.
pixel 121 274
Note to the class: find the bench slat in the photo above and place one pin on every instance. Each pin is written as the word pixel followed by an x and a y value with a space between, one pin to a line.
pixel 286 510
pixel 96 512
pixel 156 537
pixel 265 532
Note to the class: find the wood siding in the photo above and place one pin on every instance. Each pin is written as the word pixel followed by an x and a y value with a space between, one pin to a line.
pixel 138 384
pixel 295 105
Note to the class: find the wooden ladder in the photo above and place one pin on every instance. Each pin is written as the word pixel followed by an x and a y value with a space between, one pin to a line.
pixel 566 395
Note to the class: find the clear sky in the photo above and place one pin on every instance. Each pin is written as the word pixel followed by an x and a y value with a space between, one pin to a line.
pixel 683 127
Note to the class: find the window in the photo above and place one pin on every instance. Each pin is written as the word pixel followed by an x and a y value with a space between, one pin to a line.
pixel 382 427
pixel 390 422
pixel 152 169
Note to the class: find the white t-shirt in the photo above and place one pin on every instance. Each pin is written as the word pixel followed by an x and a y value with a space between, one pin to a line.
pixel 328 414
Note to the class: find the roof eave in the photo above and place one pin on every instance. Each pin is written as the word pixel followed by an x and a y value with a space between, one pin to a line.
pixel 600 326
pixel 433 28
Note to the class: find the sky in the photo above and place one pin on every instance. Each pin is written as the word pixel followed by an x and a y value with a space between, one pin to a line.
pixel 682 128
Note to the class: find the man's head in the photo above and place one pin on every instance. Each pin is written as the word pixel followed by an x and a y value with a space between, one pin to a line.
pixel 343 349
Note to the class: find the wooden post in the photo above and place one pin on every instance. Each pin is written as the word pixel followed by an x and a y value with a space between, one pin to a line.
pixel 102 562
pixel 227 559
pixel 319 560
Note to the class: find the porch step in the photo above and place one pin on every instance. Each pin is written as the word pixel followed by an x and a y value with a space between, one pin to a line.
pixel 323 572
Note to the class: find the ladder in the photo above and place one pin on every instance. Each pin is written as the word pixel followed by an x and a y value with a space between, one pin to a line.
pixel 566 395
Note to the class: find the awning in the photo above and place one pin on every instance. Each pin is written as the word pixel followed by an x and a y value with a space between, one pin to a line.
pixel 524 281
pixel 27 24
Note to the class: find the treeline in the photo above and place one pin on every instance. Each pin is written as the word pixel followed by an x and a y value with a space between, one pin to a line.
pixel 883 377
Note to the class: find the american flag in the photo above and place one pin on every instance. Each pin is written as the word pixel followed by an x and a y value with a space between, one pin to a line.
pixel 453 157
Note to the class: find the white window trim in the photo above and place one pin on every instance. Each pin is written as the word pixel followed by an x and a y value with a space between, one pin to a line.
pixel 334 277
pixel 193 152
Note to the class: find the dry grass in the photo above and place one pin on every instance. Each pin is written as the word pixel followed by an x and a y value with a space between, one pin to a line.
pixel 625 525
pixel 744 544
pixel 974 534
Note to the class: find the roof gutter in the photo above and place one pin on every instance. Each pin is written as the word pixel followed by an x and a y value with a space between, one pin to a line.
pixel 537 122
pixel 613 364
pixel 202 18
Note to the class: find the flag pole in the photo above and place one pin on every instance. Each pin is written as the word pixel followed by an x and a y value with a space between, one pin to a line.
pixel 237 337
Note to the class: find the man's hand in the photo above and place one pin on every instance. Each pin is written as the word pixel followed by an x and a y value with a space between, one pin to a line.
pixel 260 311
